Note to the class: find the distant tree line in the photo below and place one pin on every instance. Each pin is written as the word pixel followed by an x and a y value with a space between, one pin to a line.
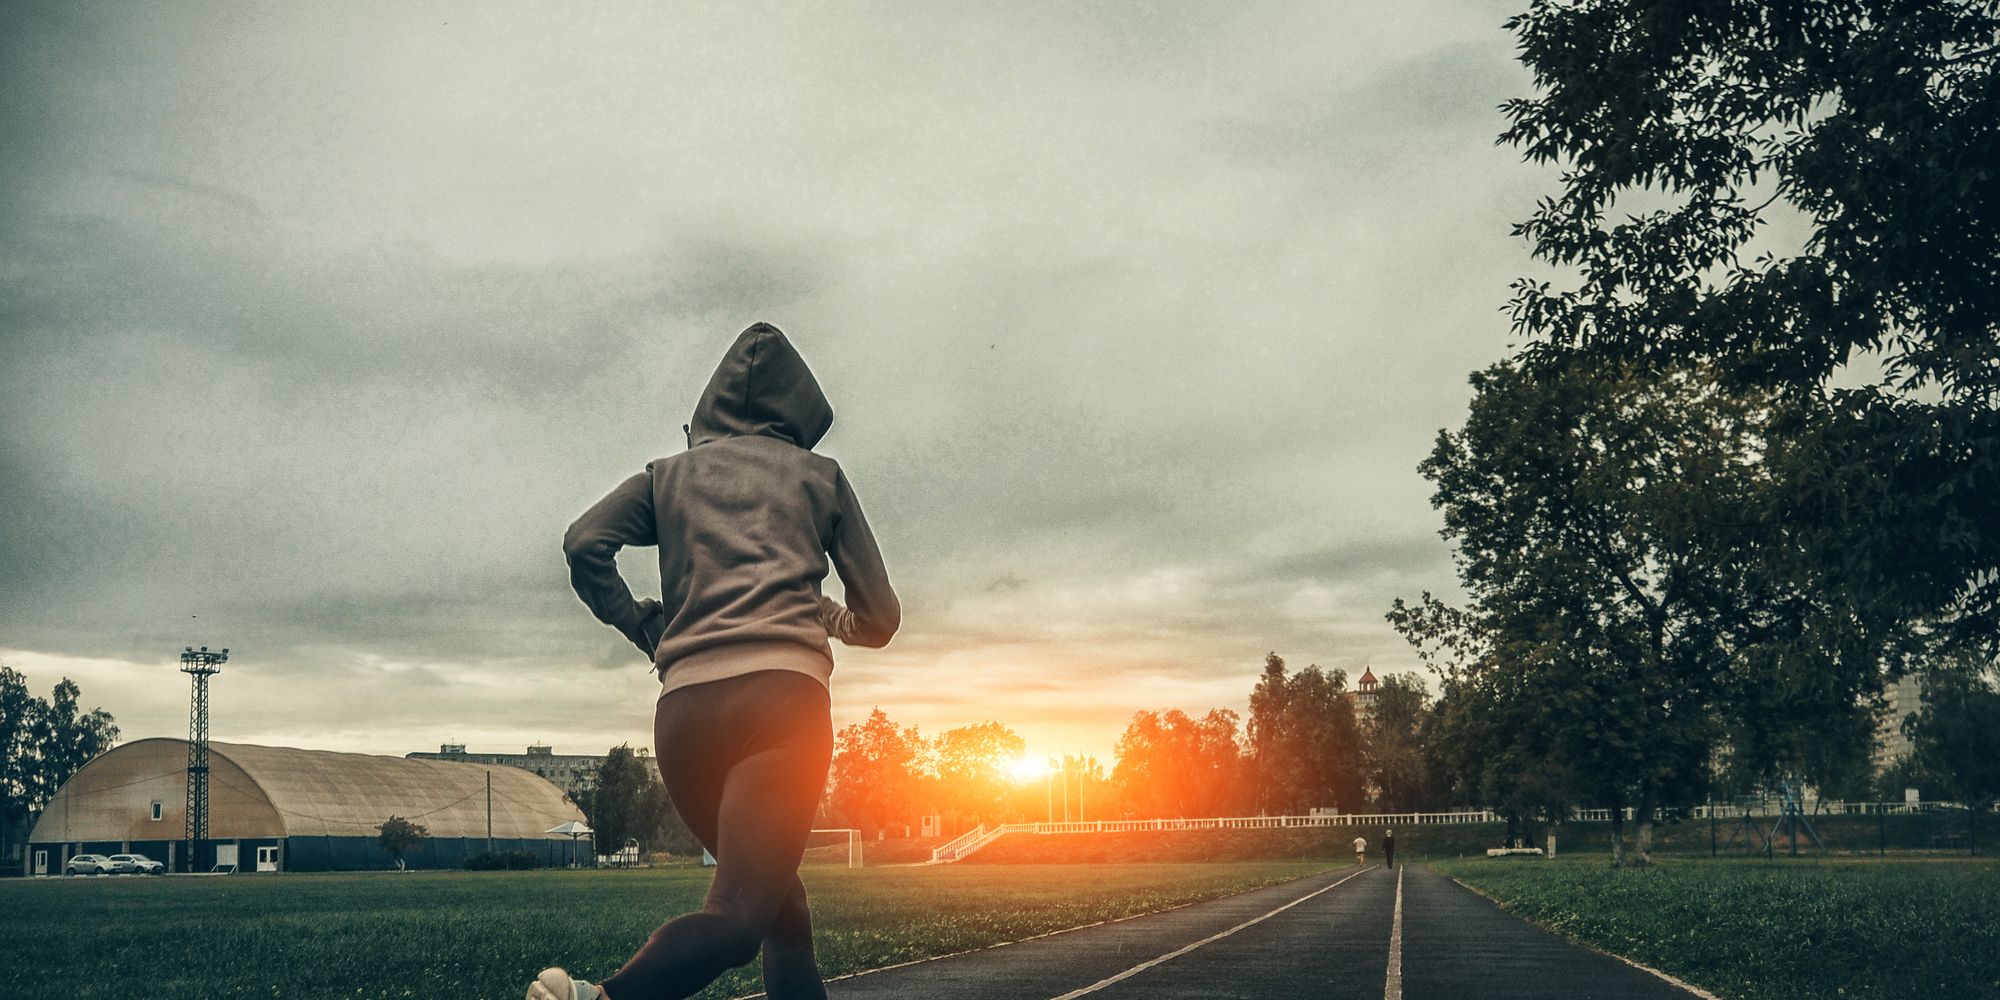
pixel 42 743
pixel 1303 747
pixel 885 776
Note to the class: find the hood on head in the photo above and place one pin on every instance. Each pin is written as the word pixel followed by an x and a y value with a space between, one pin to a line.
pixel 762 387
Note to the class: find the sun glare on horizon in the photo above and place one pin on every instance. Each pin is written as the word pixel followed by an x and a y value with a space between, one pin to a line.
pixel 1029 769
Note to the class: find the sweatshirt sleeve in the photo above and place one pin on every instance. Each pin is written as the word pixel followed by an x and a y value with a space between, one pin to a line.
pixel 873 613
pixel 624 517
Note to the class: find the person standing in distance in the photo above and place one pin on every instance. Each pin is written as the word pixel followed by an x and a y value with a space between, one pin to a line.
pixel 1389 848
pixel 1361 850
pixel 747 521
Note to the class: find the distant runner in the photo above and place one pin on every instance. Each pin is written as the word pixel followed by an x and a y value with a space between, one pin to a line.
pixel 1361 850
pixel 746 521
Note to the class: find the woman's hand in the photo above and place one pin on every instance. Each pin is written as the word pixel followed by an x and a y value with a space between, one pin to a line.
pixel 836 620
pixel 652 626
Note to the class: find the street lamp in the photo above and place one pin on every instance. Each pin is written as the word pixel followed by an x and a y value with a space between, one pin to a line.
pixel 1065 777
pixel 1082 775
pixel 1049 785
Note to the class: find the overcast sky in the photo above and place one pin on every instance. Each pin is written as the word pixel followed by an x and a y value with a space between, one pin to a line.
pixel 321 323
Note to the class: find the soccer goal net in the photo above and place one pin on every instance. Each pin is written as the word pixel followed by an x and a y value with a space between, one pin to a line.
pixel 834 847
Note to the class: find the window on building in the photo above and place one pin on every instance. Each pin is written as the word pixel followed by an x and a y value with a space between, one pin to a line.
pixel 157 811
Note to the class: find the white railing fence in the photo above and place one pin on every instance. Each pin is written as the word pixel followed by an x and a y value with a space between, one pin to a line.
pixel 951 849
pixel 979 837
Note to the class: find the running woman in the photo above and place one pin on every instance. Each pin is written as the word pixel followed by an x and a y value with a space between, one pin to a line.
pixel 747 520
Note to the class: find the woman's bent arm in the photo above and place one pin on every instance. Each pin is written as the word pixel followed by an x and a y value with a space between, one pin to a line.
pixel 624 517
pixel 876 613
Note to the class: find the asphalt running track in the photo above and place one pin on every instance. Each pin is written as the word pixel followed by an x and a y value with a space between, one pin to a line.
pixel 1341 935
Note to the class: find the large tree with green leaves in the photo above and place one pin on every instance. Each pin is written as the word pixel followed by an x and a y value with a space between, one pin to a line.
pixel 65 738
pixel 1306 746
pixel 1397 746
pixel 972 763
pixel 17 718
pixel 1804 196
pixel 42 743
pixel 1264 732
pixel 877 773
pixel 1622 623
pixel 620 807
pixel 1955 736
pixel 1490 736
pixel 1742 467
pixel 1170 764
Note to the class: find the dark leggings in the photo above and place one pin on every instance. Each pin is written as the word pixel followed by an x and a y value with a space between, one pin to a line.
pixel 745 761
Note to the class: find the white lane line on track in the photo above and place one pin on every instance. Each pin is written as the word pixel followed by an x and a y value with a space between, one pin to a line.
pixel 1392 986
pixel 1170 956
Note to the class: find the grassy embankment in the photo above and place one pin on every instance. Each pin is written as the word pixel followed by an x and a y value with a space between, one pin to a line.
pixel 1756 930
pixel 466 935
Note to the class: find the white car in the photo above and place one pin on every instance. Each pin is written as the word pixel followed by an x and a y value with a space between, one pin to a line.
pixel 137 864
pixel 89 864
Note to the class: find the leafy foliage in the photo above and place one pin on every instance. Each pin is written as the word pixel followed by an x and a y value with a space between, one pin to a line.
pixel 1692 523
pixel 971 765
pixel 1620 626
pixel 1307 747
pixel 627 801
pixel 42 743
pixel 877 772
pixel 1170 764
pixel 1868 126
pixel 1956 735
pixel 400 836
pixel 1400 766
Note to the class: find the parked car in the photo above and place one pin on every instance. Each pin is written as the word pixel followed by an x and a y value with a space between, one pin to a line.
pixel 137 864
pixel 89 864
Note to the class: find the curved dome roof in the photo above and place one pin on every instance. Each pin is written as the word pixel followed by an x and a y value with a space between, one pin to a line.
pixel 258 791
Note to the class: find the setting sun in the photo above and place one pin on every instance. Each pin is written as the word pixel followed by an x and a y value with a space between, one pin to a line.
pixel 1029 769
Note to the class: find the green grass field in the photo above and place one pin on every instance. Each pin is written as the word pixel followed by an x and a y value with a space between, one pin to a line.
pixel 462 935
pixel 1790 929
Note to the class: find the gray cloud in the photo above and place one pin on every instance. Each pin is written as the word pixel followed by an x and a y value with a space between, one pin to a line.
pixel 320 325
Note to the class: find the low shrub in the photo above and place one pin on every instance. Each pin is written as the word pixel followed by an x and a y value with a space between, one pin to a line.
pixel 502 861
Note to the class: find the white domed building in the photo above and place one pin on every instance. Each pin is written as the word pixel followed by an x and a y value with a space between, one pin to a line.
pixel 285 809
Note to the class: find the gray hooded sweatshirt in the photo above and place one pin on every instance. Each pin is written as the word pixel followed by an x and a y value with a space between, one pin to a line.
pixel 746 521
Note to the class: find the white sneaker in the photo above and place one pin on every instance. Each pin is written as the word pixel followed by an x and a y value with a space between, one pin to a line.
pixel 555 984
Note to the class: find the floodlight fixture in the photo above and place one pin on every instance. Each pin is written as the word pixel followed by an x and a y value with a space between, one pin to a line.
pixel 199 665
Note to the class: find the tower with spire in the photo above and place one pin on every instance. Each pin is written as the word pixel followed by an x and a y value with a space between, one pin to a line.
pixel 1365 692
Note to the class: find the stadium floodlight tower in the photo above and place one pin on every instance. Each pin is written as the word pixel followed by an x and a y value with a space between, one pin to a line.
pixel 199 664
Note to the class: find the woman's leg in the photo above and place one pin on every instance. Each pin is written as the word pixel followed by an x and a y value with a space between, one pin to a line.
pixel 791 970
pixel 745 761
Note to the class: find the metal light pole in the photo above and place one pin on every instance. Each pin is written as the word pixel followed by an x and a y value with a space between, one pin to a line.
pixel 198 664
pixel 1065 777
pixel 1082 775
